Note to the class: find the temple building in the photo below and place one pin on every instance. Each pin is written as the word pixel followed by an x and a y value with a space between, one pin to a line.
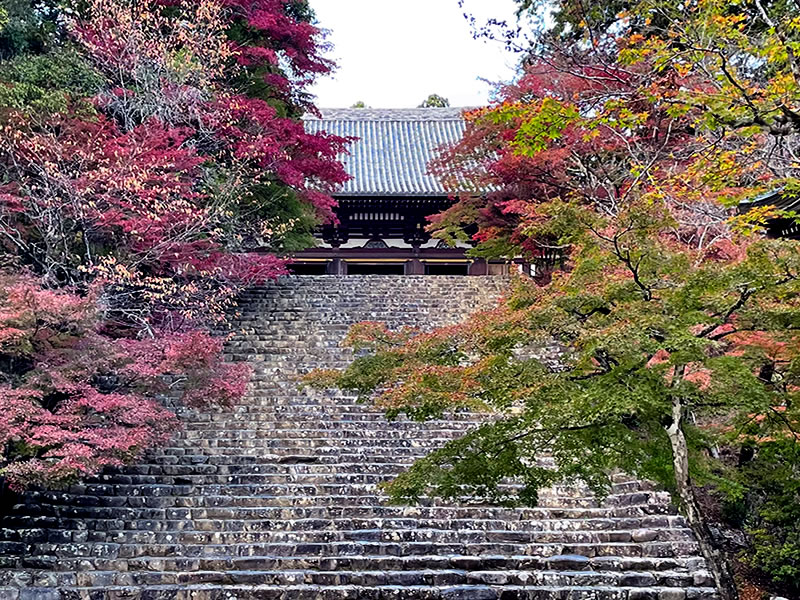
pixel 383 209
pixel 783 227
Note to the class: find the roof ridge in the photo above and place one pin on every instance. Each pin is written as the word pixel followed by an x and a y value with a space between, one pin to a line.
pixel 388 114
pixel 390 120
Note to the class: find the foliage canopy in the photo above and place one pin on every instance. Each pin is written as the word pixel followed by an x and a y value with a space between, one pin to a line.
pixel 152 163
pixel 633 134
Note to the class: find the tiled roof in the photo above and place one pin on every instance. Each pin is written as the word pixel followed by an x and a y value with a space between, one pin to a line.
pixel 394 148
pixel 775 198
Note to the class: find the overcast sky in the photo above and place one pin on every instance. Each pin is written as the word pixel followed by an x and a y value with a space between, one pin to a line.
pixel 395 53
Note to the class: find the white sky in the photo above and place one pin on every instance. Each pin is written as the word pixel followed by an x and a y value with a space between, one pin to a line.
pixel 395 53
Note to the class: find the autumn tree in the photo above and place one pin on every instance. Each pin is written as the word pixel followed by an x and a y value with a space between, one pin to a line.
pixel 152 164
pixel 668 346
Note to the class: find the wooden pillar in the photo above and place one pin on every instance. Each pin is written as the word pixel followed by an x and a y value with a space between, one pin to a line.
pixel 337 267
pixel 415 267
pixel 478 267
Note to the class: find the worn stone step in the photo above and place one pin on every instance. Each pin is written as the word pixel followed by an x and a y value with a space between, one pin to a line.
pixel 171 564
pixel 313 592
pixel 464 562
pixel 198 464
pixel 238 495
pixel 278 500
pixel 438 577
pixel 328 534
pixel 135 484
pixel 237 423
pixel 34 516
pixel 279 466
pixel 640 529
pixel 217 531
pixel 262 417
pixel 327 434
pixel 183 457
pixel 331 485
pixel 420 445
pixel 344 548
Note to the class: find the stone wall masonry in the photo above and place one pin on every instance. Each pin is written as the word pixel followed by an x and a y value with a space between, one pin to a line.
pixel 277 498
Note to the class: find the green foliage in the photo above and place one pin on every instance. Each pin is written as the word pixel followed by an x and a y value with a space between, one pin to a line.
pixel 435 101
pixel 28 26
pixel 607 404
pixel 288 223
pixel 769 508
pixel 44 84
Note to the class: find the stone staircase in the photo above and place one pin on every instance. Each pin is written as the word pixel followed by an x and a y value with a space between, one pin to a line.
pixel 277 498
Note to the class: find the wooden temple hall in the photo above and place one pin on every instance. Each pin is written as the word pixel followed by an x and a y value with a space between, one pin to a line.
pixel 383 208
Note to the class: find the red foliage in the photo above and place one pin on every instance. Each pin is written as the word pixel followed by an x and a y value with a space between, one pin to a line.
pixel 73 400
pixel 591 134
pixel 278 32
pixel 141 214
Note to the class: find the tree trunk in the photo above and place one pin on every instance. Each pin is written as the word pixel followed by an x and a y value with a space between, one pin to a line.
pixel 716 559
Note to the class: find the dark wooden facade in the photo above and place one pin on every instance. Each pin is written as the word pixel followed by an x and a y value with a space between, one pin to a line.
pixel 384 218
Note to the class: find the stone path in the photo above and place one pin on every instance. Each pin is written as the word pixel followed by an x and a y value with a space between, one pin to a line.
pixel 277 499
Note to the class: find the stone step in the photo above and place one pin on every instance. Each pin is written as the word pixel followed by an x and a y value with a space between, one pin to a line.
pixel 431 535
pixel 20 528
pixel 40 516
pixel 261 419
pixel 318 439
pixel 364 453
pixel 633 492
pixel 369 440
pixel 348 432
pixel 182 456
pixel 297 498
pixel 239 418
pixel 371 578
pixel 355 548
pixel 314 592
pixel 271 463
pixel 514 562
pixel 279 466
pixel 124 483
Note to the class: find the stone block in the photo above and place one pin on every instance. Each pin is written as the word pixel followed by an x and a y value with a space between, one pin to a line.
pixel 637 579
pixel 643 594
pixel 675 594
pixel 568 562
pixel 32 593
pixel 644 535
pixel 469 593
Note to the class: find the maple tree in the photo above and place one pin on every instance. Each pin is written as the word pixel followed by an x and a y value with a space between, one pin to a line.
pixel 76 399
pixel 153 165
pixel 668 346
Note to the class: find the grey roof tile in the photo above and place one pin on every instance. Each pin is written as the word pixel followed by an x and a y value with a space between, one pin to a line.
pixel 394 147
